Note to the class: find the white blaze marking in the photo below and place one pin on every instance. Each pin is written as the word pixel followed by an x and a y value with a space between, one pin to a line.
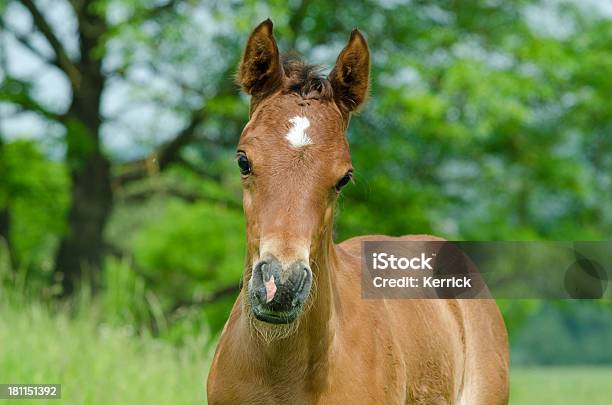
pixel 297 136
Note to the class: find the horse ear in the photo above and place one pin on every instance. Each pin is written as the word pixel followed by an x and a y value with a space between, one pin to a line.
pixel 350 77
pixel 260 70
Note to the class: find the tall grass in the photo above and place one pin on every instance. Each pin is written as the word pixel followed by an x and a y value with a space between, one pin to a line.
pixel 97 363
pixel 102 364
pixel 102 359
pixel 96 348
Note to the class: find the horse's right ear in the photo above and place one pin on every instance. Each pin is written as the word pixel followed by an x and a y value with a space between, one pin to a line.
pixel 260 70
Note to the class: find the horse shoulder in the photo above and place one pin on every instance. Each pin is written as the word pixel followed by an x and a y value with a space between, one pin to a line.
pixel 225 384
pixel 356 241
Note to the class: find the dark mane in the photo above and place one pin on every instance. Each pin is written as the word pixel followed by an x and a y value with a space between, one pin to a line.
pixel 306 80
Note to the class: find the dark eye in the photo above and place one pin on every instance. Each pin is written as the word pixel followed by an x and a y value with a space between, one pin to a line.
pixel 344 180
pixel 243 163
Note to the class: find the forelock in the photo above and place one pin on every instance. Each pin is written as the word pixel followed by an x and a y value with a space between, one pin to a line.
pixel 306 80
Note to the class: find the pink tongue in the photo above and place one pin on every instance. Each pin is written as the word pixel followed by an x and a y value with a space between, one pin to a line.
pixel 270 289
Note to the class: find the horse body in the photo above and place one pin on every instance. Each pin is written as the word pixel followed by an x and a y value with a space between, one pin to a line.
pixel 367 351
pixel 300 331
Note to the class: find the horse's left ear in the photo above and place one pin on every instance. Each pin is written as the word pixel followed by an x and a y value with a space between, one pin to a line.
pixel 350 77
pixel 260 71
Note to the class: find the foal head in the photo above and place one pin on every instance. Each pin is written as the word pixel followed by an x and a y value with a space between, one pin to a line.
pixel 294 159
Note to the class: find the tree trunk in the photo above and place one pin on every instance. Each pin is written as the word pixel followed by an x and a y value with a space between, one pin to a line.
pixel 5 215
pixel 80 254
pixel 5 233
pixel 4 224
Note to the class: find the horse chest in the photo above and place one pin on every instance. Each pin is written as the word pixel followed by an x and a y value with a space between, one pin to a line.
pixel 344 380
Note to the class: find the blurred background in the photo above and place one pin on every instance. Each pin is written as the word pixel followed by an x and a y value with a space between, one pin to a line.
pixel 121 226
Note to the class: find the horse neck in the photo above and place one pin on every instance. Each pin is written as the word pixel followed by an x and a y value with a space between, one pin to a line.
pixel 320 312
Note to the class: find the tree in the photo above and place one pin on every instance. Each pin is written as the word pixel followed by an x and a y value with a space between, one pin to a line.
pixel 95 176
pixel 90 169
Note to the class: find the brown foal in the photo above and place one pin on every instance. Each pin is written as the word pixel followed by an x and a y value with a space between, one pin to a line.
pixel 300 332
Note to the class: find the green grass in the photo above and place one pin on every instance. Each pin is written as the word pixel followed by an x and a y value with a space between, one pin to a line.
pixel 98 364
pixel 561 386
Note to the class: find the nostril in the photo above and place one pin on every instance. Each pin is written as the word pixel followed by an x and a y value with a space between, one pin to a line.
pixel 265 281
pixel 261 293
pixel 304 279
pixel 274 287
pixel 258 279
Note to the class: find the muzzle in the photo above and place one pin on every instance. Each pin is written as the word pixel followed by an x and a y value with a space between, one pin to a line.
pixel 277 294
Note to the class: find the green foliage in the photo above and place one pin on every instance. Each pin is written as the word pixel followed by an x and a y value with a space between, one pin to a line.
pixel 192 241
pixel 582 335
pixel 35 191
pixel 124 296
pixel 516 313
